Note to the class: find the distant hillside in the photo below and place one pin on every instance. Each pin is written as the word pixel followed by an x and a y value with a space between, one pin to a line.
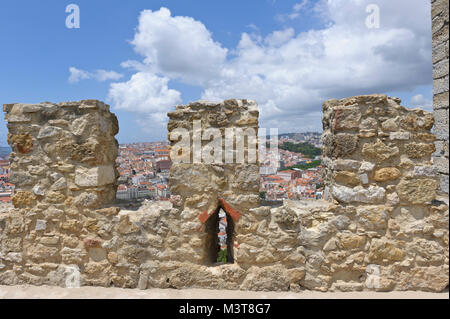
pixel 295 135
pixel 4 151
pixel 305 166
pixel 306 149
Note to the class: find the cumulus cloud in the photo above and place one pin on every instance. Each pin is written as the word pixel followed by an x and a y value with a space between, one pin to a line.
pixel 77 75
pixel 295 12
pixel 289 73
pixel 179 47
pixel 422 102
pixel 144 93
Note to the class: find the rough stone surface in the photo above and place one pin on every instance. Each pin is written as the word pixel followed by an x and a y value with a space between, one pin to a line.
pixel 386 174
pixel 382 227
pixel 205 187
pixel 394 207
pixel 440 20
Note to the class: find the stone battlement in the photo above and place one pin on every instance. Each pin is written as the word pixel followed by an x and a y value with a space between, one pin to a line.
pixel 382 228
pixel 377 151
pixel 63 155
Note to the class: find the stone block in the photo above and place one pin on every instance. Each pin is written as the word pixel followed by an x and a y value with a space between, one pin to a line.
pixel 95 176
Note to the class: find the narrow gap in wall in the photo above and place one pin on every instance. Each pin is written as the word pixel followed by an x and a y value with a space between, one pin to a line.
pixel 219 251
pixel 212 241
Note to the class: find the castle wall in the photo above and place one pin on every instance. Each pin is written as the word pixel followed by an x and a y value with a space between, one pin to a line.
pixel 63 166
pixel 203 185
pixel 382 228
pixel 377 165
pixel 439 15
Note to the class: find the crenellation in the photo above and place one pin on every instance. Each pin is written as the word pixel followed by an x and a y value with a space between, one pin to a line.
pixel 383 225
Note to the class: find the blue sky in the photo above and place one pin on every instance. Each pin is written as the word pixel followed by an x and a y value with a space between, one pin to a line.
pixel 287 55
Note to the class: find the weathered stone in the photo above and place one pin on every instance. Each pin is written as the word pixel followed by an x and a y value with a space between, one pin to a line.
pixel 417 191
pixel 368 124
pixel 420 150
pixel 347 118
pixel 71 225
pixel 22 142
pixel 346 178
pixel 80 125
pixel 40 224
pixel 60 184
pixel 373 194
pixel 372 217
pixel 42 253
pixel 73 255
pixel 386 174
pixel 51 240
pixel 55 197
pixel 364 178
pixel 366 167
pixel 346 165
pixel 344 144
pixel 383 250
pixel 296 274
pixel 379 151
pixel 418 120
pixel 390 124
pixel 39 190
pixel 441 165
pixel 126 227
pixel 351 241
pixel 113 257
pixel 13 257
pixel 424 171
pixel 23 199
pixel 49 131
pixel 400 135
pixel 97 254
pixel 271 278
pixel 87 200
pixel 95 176
pixel 332 244
pixel 392 199
pixel 425 278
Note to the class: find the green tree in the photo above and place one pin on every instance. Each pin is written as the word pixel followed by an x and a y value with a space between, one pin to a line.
pixel 222 256
pixel 306 149
pixel 313 164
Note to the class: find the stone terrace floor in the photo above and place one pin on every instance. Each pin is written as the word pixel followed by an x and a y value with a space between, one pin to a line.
pixel 47 292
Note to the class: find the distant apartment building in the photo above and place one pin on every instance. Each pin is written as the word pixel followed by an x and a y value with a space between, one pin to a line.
pixel 163 165
pixel 132 193
pixel 289 175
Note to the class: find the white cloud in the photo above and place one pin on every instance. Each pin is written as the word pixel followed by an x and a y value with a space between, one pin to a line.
pixel 144 93
pixel 295 13
pixel 179 47
pixel 77 75
pixel 422 102
pixel 290 74
pixel 299 6
pixel 253 26
pixel 278 38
